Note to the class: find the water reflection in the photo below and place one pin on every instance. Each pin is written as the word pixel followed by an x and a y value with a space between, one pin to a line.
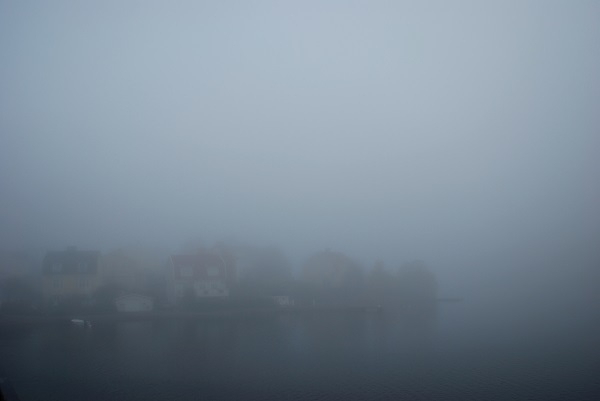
pixel 304 355
pixel 207 348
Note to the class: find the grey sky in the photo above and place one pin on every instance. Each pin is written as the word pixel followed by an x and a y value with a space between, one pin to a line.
pixel 448 131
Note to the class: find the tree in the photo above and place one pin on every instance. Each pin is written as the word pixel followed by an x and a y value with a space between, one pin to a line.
pixel 417 284
pixel 334 277
pixel 268 273
pixel 381 286
pixel 227 253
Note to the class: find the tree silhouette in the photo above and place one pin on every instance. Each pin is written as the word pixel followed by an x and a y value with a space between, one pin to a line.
pixel 417 284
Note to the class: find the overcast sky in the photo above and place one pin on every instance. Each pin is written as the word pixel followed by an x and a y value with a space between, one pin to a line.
pixel 448 131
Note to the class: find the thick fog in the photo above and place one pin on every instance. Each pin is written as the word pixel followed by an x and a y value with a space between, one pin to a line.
pixel 461 133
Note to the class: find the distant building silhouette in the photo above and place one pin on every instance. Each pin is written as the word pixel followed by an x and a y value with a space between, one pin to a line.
pixel 70 273
pixel 204 274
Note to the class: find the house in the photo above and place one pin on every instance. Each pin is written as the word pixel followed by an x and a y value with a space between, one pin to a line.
pixel 283 300
pixel 134 303
pixel 119 269
pixel 203 274
pixel 70 273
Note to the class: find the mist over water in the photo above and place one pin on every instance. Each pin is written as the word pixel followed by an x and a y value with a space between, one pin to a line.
pixel 351 356
pixel 465 135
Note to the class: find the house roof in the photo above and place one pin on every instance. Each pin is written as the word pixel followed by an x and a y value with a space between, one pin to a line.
pixel 71 262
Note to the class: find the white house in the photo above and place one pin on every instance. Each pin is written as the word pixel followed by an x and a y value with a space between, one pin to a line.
pixel 134 303
pixel 283 300
pixel 203 275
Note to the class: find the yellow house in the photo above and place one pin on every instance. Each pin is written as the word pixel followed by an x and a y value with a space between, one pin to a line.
pixel 70 273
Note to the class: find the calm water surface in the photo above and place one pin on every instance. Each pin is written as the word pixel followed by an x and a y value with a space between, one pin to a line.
pixel 453 355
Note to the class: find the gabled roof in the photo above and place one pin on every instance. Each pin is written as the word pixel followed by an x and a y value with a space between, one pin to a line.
pixel 71 262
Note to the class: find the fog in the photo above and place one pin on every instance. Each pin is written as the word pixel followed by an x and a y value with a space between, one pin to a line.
pixel 463 134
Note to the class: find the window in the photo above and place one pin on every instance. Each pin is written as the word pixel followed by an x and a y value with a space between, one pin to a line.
pixel 56 283
pixel 56 267
pixel 82 266
pixel 83 283
pixel 213 271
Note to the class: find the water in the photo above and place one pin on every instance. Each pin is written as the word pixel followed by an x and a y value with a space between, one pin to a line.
pixel 455 354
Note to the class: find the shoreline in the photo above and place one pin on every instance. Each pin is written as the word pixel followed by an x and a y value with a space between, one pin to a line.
pixel 14 320
pixel 165 315
pixel 123 316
